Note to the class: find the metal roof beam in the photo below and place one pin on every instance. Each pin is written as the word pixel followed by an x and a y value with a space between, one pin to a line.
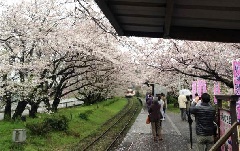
pixel 105 9
pixel 168 17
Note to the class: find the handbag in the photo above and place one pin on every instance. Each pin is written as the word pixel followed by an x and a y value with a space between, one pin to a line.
pixel 148 120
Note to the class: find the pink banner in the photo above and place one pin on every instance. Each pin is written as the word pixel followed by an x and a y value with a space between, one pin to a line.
pixel 199 87
pixel 216 90
pixel 204 86
pixel 236 77
pixel 236 84
pixel 225 124
pixel 194 88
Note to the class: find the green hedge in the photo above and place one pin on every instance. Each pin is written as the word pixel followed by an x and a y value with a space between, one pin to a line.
pixel 172 99
pixel 55 123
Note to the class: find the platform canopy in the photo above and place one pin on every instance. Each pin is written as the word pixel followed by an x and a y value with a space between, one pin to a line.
pixel 203 20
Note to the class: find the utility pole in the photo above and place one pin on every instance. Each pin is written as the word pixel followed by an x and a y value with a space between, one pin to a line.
pixel 150 84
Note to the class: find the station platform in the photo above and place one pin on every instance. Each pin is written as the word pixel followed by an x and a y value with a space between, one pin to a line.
pixel 175 132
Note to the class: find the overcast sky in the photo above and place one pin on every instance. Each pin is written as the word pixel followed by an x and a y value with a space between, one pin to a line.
pixel 11 1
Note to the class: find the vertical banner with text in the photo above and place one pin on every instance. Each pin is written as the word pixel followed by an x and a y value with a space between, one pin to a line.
pixel 194 88
pixel 204 86
pixel 225 124
pixel 216 90
pixel 236 84
pixel 199 87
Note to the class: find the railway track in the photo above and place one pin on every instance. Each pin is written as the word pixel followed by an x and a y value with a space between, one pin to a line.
pixel 113 130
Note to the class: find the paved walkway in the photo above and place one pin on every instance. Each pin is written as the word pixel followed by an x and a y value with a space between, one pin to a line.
pixel 175 135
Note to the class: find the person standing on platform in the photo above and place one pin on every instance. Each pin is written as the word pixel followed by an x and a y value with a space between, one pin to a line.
pixel 149 101
pixel 182 99
pixel 147 96
pixel 164 99
pixel 196 99
pixel 155 116
pixel 204 118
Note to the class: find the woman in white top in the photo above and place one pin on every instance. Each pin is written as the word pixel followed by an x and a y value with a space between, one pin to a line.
pixel 197 100
pixel 161 102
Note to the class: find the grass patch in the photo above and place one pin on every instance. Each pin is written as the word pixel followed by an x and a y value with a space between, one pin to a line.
pixel 173 109
pixel 92 117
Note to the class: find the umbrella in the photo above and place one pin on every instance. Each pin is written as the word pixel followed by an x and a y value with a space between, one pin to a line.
pixel 185 92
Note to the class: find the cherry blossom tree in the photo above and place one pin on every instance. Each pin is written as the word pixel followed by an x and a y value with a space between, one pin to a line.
pixel 18 45
pixel 49 51
pixel 175 60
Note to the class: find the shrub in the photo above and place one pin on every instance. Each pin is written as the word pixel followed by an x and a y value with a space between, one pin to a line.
pixel 59 123
pixel 172 99
pixel 93 97
pixel 38 128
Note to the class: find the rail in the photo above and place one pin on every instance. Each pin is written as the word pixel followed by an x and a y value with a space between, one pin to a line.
pixel 121 132
pixel 127 115
pixel 224 138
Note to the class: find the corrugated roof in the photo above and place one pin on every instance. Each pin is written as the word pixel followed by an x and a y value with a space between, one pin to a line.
pixel 205 20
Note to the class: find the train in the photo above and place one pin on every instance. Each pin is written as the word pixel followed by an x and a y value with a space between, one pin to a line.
pixel 129 93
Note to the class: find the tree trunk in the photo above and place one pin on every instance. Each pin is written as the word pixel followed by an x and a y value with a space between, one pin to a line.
pixel 7 111
pixel 33 111
pixel 46 102
pixel 19 110
pixel 55 103
pixel 57 97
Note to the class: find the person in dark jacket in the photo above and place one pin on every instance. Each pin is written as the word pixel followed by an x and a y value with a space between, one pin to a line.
pixel 149 101
pixel 204 117
pixel 155 116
